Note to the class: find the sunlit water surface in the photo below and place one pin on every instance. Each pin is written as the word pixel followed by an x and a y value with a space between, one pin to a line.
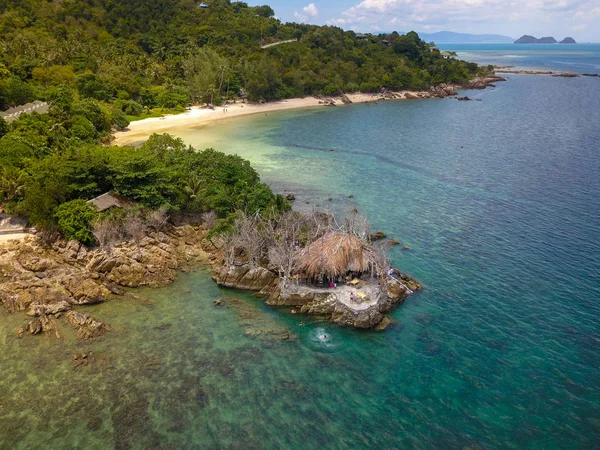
pixel 498 201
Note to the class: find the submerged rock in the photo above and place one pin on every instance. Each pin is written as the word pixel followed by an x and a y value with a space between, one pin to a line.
pixel 87 327
pixel 378 235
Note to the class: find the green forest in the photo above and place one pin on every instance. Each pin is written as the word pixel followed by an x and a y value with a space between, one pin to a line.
pixel 102 63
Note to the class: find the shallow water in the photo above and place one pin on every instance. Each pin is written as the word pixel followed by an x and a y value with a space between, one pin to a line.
pixel 498 201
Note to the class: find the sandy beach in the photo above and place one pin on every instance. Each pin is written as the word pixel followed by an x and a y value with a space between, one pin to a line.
pixel 198 116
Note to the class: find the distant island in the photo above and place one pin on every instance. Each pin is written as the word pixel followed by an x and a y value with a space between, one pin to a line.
pixel 568 40
pixel 527 39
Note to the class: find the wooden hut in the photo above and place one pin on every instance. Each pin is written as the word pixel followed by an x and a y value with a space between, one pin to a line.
pixel 336 255
pixel 105 201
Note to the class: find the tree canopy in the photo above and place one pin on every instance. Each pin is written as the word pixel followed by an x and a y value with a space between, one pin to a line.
pixel 101 63
pixel 166 53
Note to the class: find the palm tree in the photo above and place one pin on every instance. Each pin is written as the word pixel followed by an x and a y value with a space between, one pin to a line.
pixel 11 183
pixel 193 188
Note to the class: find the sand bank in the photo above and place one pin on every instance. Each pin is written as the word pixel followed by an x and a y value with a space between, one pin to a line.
pixel 198 116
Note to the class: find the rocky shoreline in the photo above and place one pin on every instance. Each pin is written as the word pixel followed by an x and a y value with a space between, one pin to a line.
pixel 330 303
pixel 49 283
pixel 440 91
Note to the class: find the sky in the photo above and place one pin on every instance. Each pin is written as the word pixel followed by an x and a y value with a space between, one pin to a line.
pixel 579 19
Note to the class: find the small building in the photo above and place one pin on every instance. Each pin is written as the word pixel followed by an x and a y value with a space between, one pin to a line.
pixel 361 36
pixel 337 255
pixel 203 5
pixel 105 201
pixel 13 113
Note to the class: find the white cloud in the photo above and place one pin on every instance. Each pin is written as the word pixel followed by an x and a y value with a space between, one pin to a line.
pixel 543 17
pixel 309 11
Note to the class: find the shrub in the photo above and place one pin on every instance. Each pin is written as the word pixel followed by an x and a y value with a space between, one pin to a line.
pixel 75 220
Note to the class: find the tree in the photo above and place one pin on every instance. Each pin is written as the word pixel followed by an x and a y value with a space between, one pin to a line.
pixel 204 73
pixel 284 244
pixel 11 184
pixel 140 176
pixel 3 127
pixel 264 11
pixel 107 232
pixel 75 220
pixel 61 102
pixel 134 226
pixel 263 81
pixel 248 238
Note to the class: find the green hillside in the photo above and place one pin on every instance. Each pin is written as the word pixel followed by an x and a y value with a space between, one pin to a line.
pixel 101 63
pixel 171 52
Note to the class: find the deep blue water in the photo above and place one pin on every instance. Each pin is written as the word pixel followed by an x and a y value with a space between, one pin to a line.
pixel 499 202
pixel 579 58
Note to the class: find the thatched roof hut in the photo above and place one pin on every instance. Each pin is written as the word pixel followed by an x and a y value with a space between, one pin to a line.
pixel 335 254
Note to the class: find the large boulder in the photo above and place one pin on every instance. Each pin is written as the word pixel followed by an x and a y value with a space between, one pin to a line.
pixel 37 309
pixel 84 290
pixel 257 279
pixel 20 293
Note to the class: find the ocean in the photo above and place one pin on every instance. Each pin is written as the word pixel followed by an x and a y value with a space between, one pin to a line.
pixel 579 58
pixel 497 201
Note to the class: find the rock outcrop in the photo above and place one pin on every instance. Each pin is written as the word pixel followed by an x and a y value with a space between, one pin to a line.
pixel 568 40
pixel 339 305
pixel 49 283
pixel 527 39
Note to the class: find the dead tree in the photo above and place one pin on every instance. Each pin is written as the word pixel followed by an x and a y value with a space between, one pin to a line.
pixel 209 219
pixel 135 228
pixel 107 232
pixel 352 223
pixel 157 220
pixel 247 235
pixel 382 260
pixel 283 233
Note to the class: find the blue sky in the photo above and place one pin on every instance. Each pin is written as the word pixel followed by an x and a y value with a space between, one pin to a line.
pixel 559 18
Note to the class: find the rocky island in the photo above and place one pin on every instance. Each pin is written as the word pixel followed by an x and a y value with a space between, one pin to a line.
pixel 568 40
pixel 339 276
pixel 527 39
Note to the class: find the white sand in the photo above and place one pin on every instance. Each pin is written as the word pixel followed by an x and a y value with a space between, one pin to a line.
pixel 198 116
pixel 13 236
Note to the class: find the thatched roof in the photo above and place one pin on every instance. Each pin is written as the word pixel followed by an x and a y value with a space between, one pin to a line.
pixel 335 254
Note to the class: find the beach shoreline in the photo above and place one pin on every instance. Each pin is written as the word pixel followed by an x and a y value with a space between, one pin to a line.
pixel 198 116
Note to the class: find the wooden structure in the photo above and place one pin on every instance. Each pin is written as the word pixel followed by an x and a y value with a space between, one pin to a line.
pixel 105 201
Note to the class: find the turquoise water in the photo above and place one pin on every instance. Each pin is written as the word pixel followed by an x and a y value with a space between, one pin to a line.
pixel 498 201
pixel 579 58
